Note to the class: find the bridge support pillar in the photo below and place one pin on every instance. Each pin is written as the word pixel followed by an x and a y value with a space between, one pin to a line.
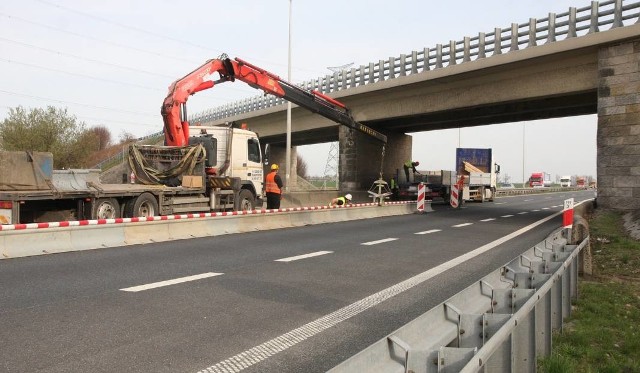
pixel 278 154
pixel 360 156
pixel 619 126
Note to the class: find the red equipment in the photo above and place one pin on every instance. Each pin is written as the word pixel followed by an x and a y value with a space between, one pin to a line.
pixel 174 111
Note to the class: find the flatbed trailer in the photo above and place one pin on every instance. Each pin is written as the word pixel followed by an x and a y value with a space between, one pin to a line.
pixel 32 194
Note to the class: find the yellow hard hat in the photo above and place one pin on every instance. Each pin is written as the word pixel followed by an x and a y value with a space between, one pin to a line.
pixel 274 167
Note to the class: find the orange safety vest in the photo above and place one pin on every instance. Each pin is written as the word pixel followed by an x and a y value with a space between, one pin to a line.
pixel 271 186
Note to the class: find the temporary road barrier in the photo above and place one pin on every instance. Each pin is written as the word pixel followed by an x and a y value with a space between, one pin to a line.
pixel 421 197
pixel 19 240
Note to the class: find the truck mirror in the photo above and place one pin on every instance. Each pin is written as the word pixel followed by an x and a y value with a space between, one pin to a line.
pixel 497 168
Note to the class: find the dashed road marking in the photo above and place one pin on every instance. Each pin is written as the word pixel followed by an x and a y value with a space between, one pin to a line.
pixel 379 241
pixel 536 210
pixel 506 216
pixel 489 219
pixel 523 212
pixel 304 256
pixel 285 341
pixel 429 231
pixel 461 225
pixel 545 208
pixel 180 280
pixel 500 203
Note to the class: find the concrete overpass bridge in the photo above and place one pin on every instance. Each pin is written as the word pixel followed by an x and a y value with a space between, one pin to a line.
pixel 584 61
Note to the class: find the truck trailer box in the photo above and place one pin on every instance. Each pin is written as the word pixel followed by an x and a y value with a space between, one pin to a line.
pixel 21 170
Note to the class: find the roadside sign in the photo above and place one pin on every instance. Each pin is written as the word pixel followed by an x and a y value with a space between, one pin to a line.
pixel 567 215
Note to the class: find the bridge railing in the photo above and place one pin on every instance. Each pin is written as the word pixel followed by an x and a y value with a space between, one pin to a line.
pixel 576 22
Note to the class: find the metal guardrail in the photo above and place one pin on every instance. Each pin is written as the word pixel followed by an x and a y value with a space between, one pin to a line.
pixel 502 323
pixel 574 23
pixel 520 191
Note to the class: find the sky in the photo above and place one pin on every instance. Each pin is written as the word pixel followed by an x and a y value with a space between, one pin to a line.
pixel 110 63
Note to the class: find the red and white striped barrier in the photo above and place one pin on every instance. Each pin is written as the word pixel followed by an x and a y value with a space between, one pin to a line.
pixel 20 240
pixel 421 197
pixel 456 189
pixel 79 223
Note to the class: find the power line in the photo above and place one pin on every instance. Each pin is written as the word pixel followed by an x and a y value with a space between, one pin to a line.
pixel 166 37
pixel 82 58
pixel 92 38
pixel 80 75
pixel 76 103
pixel 126 26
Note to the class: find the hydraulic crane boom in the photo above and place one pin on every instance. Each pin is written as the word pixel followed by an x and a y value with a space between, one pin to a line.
pixel 174 111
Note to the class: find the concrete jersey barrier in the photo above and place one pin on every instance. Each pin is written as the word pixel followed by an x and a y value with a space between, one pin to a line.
pixel 20 240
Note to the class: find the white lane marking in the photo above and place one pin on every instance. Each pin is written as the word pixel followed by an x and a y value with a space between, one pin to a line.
pixel 500 203
pixel 556 206
pixel 536 210
pixel 527 200
pixel 523 212
pixel 304 256
pixel 490 219
pixel 285 341
pixel 379 241
pixel 461 225
pixel 170 282
pixel 429 231
pixel 506 216
pixel 545 208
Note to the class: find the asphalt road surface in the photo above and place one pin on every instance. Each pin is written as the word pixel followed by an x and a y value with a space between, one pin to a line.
pixel 289 300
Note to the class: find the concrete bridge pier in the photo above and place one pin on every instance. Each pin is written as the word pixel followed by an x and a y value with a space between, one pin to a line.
pixel 619 126
pixel 278 154
pixel 360 156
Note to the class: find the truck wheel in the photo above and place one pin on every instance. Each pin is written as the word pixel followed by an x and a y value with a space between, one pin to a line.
pixel 105 208
pixel 143 206
pixel 245 201
pixel 482 197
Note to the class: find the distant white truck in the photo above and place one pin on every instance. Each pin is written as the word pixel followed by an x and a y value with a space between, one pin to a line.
pixel 565 181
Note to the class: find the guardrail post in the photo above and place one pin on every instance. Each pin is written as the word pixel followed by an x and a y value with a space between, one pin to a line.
pixel 594 18
pixel 514 37
pixel 532 32
pixel 544 330
pixel 571 33
pixel 481 45
pixel 617 15
pixel 524 344
pixel 497 41
pixel 403 65
pixel 425 59
pixel 381 71
pixel 452 52
pixel 372 78
pixel 438 56
pixel 353 77
pixel 414 62
pixel 551 35
pixel 392 68
pixel 466 55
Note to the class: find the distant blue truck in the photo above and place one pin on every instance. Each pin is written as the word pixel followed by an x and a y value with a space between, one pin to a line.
pixel 479 171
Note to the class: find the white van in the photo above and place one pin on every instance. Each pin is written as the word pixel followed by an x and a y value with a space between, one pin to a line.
pixel 565 181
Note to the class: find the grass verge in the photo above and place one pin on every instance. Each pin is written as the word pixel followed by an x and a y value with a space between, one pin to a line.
pixel 603 333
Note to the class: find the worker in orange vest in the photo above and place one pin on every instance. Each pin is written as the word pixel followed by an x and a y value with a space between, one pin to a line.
pixel 273 188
